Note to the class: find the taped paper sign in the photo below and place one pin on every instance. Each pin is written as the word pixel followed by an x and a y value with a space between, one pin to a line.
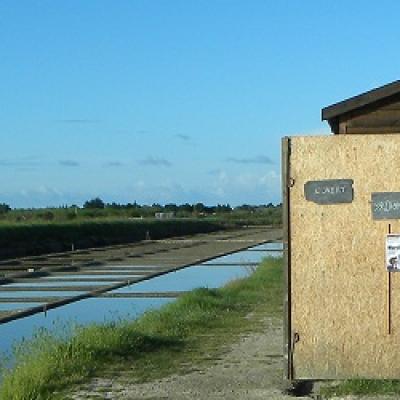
pixel 393 252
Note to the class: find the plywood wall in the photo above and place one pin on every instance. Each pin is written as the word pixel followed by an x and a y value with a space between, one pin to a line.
pixel 339 302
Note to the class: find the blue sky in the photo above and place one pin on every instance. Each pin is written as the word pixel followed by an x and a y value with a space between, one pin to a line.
pixel 175 101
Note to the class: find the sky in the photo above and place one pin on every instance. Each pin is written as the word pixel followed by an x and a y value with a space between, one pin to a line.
pixel 175 101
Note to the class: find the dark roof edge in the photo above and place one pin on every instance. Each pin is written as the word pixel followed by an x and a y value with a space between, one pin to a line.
pixel 361 100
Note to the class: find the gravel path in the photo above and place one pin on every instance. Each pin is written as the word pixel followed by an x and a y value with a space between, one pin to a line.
pixel 249 369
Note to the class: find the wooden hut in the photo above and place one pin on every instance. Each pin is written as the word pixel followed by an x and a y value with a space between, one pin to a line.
pixel 342 217
pixel 376 111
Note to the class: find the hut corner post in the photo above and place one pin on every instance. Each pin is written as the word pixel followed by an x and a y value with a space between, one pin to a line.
pixel 287 345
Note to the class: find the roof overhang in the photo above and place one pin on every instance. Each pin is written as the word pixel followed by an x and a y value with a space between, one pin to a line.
pixel 332 112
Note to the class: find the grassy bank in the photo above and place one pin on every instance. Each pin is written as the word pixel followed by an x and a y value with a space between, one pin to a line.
pixel 362 387
pixel 40 238
pixel 152 346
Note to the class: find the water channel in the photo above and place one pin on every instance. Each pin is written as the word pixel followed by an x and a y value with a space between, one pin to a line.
pixel 211 274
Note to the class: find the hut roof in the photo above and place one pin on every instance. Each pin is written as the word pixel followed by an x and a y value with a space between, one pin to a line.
pixel 362 104
pixel 362 100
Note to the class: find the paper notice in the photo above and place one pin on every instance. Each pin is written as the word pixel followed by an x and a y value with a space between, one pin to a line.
pixel 393 252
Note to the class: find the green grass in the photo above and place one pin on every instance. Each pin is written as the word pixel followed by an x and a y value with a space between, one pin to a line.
pixel 362 387
pixel 154 345
pixel 269 216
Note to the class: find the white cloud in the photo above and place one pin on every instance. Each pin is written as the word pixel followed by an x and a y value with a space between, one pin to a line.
pixel 42 196
pixel 155 162
pixel 261 159
pixel 218 186
pixel 247 187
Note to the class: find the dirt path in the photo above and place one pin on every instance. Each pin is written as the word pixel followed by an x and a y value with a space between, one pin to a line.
pixel 249 369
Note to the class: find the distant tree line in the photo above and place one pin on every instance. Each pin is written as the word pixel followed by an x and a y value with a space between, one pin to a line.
pixel 198 208
pixel 4 208
pixel 245 214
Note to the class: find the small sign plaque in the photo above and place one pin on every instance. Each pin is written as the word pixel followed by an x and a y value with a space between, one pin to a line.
pixel 393 253
pixel 385 205
pixel 329 191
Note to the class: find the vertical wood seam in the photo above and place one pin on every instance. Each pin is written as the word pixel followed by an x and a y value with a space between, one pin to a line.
pixel 287 345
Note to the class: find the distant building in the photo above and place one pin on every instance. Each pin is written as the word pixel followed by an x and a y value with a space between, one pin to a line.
pixel 165 215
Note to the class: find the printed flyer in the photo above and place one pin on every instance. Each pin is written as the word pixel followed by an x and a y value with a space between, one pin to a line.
pixel 393 252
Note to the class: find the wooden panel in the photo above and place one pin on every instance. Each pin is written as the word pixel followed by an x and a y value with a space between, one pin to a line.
pixel 363 130
pixel 376 119
pixel 339 296
pixel 379 118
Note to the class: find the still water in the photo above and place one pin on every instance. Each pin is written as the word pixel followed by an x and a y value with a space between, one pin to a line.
pixel 112 309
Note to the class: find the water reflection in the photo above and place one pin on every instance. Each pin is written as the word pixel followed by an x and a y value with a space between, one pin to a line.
pixel 91 276
pixel 268 246
pixel 38 293
pixel 189 279
pixel 57 283
pixel 111 309
pixel 244 257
